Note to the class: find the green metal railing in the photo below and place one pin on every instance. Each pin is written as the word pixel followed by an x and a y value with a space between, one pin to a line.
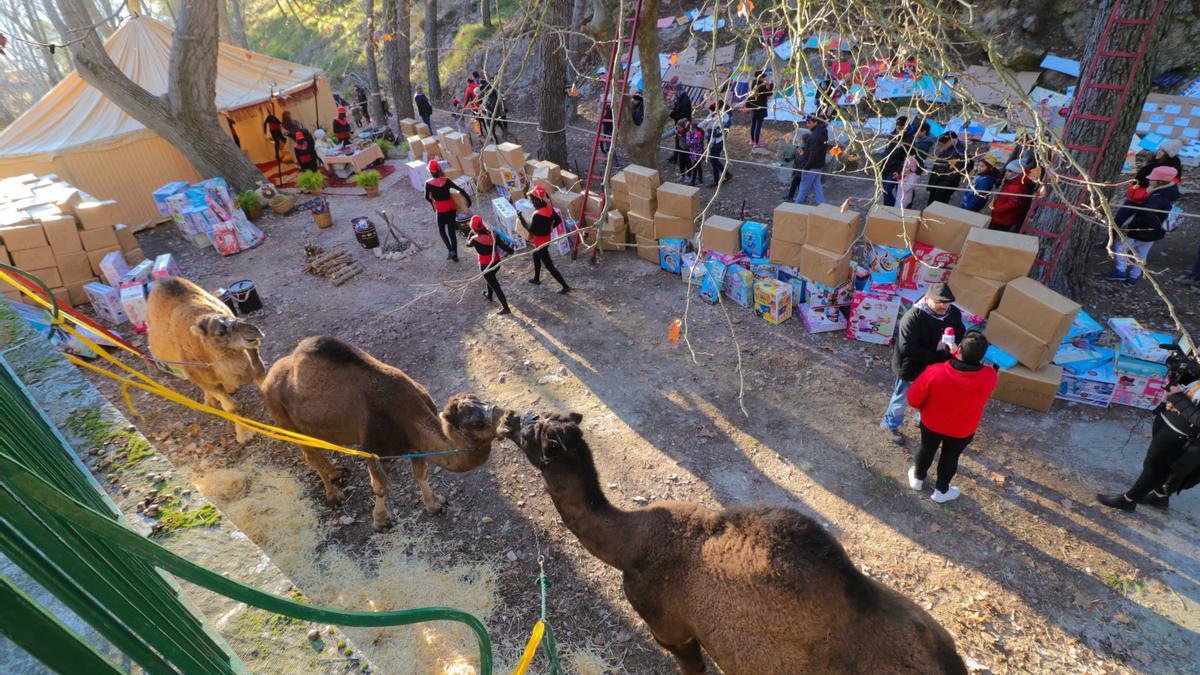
pixel 58 526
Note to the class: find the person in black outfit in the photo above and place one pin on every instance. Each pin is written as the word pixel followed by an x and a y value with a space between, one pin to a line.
pixel 233 132
pixel 756 103
pixel 639 108
pixel 606 123
pixel 811 162
pixel 919 345
pixel 540 227
pixel 485 244
pixel 683 105
pixel 893 159
pixel 1171 459
pixel 341 127
pixel 273 126
pixel 306 153
pixel 361 96
pixel 424 109
pixel 949 158
pixel 439 193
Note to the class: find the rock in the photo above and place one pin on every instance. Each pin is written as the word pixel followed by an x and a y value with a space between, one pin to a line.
pixel 511 555
pixel 640 499
pixel 562 370
pixel 486 520
pixel 152 511
pixel 345 520
pixel 502 378
pixel 314 635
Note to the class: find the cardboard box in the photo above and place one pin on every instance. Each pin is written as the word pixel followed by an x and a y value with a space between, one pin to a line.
pixel 48 276
pixel 640 225
pixel 786 252
pixel 94 258
pixel 113 266
pixel 975 294
pixel 993 254
pixel 34 258
pixel 570 181
pixel 492 159
pixel 547 173
pixel 75 293
pixel 617 185
pixel 612 232
pixel 1038 309
pixel 789 223
pixel 570 203
pixel 62 234
pixel 823 266
pixel 773 300
pixel 93 214
pixel 1029 349
pixel 668 226
pixel 74 267
pixel 645 206
pixel 1091 387
pixel 679 200
pixel 892 227
pixel 423 130
pixel 832 230
pixel 21 237
pixel 99 238
pixel 642 181
pixel 947 227
pixel 512 155
pixel 647 248
pixel 721 234
pixel 1033 389
pixel 408 126
pixel 470 164
pixel 10 217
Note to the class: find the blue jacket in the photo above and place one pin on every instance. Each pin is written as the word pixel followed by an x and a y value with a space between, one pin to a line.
pixel 982 184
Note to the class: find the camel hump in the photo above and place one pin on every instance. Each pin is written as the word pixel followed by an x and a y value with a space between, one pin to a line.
pixel 175 287
pixel 332 350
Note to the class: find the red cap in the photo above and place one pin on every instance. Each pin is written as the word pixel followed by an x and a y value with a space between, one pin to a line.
pixel 433 166
pixel 342 109
pixel 539 192
pixel 477 224
pixel 300 135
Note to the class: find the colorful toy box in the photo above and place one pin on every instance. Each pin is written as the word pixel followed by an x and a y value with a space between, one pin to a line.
pixel 885 263
pixel 1084 327
pixel 714 281
pixel 113 267
pixel 754 239
pixel 926 266
pixel 160 195
pixel 786 273
pixel 138 274
pixel 873 317
pixel 1082 356
pixel 969 320
pixel 762 268
pixel 773 300
pixel 739 285
pixel 670 254
pixel 133 301
pixel 994 356
pixel 1092 387
pixel 820 295
pixel 1140 384
pixel 692 268
pixel 106 302
pixel 1139 343
pixel 821 319
pixel 164 267
pixel 799 290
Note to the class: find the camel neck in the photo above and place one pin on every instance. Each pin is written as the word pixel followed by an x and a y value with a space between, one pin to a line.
pixel 606 531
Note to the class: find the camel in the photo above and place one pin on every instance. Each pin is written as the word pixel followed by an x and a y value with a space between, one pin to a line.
pixel 216 351
pixel 334 391
pixel 761 589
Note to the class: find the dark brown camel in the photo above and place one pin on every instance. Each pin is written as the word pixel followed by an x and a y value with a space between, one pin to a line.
pixel 762 590
pixel 334 391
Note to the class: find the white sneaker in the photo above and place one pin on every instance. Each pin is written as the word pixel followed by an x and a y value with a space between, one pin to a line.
pixel 947 496
pixel 914 482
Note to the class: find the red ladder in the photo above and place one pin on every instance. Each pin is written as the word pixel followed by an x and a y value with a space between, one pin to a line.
pixel 1053 242
pixel 629 25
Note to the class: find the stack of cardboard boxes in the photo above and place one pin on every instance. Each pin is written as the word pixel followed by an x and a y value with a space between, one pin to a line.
pixel 678 206
pixel 455 148
pixel 789 233
pixel 721 234
pixel 59 234
pixel 990 259
pixel 1030 324
pixel 641 193
pixel 825 255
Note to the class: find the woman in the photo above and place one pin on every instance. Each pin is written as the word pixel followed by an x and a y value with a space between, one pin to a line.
pixel 1144 225
pixel 1014 200
pixel 951 397
pixel 986 179
pixel 485 244
pixel 757 103
pixel 439 193
pixel 540 227
pixel 906 186
pixel 946 173
pixel 306 154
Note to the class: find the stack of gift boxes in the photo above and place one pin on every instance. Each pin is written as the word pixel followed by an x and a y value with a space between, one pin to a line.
pixel 206 214
pixel 59 234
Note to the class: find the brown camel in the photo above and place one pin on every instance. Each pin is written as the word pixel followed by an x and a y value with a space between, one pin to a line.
pixel 762 590
pixel 334 391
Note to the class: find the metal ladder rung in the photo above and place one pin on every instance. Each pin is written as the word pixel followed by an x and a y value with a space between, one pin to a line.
pixel 1119 55
pixel 1044 233
pixel 1084 148
pixel 1131 22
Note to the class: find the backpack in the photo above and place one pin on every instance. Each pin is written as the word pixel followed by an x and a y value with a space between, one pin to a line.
pixel 1173 220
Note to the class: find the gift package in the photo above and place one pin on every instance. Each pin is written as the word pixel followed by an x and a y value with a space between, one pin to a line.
pixel 821 319
pixel 928 265
pixel 739 285
pixel 754 239
pixel 773 300
pixel 873 316
pixel 670 254
pixel 713 282
pixel 106 302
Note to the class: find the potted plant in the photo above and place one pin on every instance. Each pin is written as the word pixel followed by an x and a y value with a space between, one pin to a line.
pixel 250 202
pixel 369 181
pixel 311 181
pixel 388 148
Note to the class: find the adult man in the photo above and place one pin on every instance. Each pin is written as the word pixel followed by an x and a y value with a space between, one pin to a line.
pixel 810 162
pixel 951 397
pixel 947 170
pixel 341 127
pixel 683 105
pixel 918 346
pixel 424 109
pixel 1171 459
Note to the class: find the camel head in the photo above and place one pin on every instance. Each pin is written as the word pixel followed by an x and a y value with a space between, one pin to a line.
pixel 546 439
pixel 228 334
pixel 469 422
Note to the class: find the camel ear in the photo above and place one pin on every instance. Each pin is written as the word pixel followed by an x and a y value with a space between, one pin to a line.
pixel 576 418
pixel 208 326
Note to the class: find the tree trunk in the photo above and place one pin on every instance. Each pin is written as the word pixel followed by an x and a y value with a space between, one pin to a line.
pixel 397 55
pixel 186 115
pixel 222 21
pixel 1073 269
pixel 552 113
pixel 52 72
pixel 237 23
pixel 485 11
pixel 433 83
pixel 640 142
pixel 374 100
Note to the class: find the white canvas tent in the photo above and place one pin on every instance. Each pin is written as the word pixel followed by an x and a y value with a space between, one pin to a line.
pixel 77 133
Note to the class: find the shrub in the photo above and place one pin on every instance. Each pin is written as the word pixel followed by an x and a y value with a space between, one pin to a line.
pixel 248 200
pixel 367 179
pixel 310 180
pixel 385 145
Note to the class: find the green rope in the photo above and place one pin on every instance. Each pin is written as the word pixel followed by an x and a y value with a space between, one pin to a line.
pixel 551 646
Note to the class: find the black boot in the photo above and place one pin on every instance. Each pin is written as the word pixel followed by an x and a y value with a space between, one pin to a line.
pixel 1156 500
pixel 1117 501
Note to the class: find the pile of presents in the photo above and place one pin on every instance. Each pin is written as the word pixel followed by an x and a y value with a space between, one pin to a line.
pixel 60 234
pixel 206 214
pixel 122 295
pixel 858 273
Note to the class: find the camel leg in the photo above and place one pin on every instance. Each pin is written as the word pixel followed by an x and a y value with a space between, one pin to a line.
pixel 230 406
pixel 687 655
pixel 433 504
pixel 381 516
pixel 319 463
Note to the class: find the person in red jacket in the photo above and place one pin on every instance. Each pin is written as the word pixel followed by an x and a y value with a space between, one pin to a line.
pixel 341 127
pixel 1014 200
pixel 951 397
pixel 439 192
pixel 541 228
pixel 485 244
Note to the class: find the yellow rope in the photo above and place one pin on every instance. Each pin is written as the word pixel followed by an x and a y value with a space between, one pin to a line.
pixel 535 639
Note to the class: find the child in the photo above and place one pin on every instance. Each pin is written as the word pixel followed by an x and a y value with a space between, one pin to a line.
pixel 485 244
pixel 906 187
pixel 1144 226
pixel 695 143
pixel 982 184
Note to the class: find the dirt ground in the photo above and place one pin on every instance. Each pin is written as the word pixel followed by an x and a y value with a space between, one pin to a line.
pixel 1026 571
